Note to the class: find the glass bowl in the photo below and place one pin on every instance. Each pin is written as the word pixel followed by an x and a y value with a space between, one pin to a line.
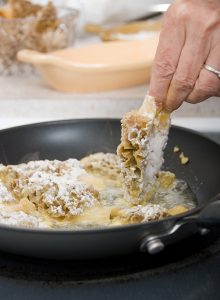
pixel 29 33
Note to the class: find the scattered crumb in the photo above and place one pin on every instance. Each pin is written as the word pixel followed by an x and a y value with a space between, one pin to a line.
pixel 183 159
pixel 176 149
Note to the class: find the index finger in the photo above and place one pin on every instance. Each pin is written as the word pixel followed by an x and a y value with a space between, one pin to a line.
pixel 169 49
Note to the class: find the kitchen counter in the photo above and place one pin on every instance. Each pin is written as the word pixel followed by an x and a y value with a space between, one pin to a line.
pixel 26 99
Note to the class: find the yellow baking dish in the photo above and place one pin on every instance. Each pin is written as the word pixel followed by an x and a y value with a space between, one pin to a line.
pixel 95 68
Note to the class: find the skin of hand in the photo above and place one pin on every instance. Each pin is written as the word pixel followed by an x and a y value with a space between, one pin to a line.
pixel 190 37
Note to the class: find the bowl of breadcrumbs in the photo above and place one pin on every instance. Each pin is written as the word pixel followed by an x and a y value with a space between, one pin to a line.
pixel 24 25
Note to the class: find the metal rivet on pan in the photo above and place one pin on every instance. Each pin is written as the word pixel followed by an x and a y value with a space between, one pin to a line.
pixel 153 246
pixel 204 231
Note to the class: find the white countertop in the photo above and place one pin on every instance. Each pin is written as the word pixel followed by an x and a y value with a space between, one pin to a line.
pixel 26 99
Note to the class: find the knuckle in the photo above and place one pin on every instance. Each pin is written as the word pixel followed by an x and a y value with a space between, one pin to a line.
pixel 194 97
pixel 183 82
pixel 210 22
pixel 170 14
pixel 202 91
pixel 192 100
pixel 183 10
pixel 213 14
pixel 207 20
pixel 209 87
pixel 164 68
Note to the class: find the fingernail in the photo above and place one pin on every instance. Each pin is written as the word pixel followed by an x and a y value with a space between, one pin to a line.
pixel 159 102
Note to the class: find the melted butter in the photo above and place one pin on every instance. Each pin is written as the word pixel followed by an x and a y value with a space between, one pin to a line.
pixel 176 197
pixel 179 194
pixel 172 194
pixel 97 216
pixel 94 181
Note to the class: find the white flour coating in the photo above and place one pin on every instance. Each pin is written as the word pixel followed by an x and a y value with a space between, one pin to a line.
pixel 5 195
pixel 55 167
pixel 19 218
pixel 144 137
pixel 148 213
pixel 153 150
pixel 152 146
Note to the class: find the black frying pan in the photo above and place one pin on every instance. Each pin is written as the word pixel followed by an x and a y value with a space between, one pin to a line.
pixel 78 138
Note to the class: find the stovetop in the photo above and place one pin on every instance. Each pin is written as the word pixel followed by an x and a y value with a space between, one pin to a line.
pixel 187 270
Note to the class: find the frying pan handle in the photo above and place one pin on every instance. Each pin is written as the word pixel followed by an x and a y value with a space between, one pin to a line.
pixel 209 216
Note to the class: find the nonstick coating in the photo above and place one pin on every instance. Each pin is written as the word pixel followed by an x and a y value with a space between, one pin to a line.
pixel 78 138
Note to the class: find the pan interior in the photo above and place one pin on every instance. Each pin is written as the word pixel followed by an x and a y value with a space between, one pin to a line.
pixel 62 140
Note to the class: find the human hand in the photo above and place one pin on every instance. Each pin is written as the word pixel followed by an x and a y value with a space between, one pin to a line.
pixel 190 38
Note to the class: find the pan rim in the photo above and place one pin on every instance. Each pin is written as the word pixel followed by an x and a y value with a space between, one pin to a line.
pixel 66 121
pixel 116 228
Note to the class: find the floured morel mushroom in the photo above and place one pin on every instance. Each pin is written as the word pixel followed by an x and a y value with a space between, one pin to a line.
pixel 104 164
pixel 138 214
pixel 52 186
pixel 143 139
